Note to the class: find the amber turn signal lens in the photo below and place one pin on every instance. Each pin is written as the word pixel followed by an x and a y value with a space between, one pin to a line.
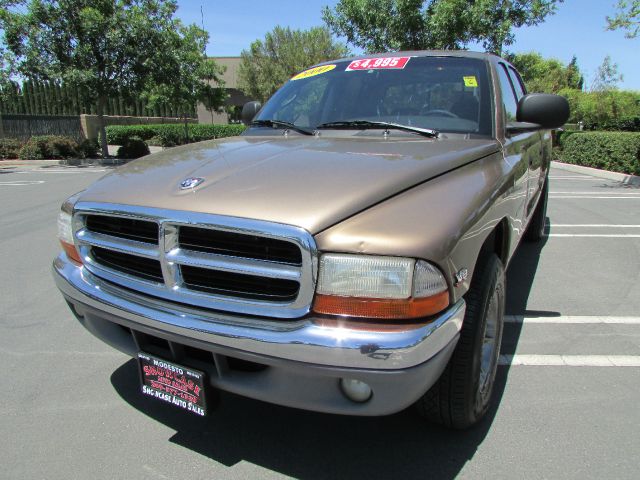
pixel 71 252
pixel 382 308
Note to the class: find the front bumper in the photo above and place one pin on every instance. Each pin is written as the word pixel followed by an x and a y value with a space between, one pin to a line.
pixel 296 363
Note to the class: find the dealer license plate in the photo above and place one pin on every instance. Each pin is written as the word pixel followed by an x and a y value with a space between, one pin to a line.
pixel 173 383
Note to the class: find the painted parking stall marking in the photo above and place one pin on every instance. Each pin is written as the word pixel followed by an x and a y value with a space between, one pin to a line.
pixel 597 230
pixel 575 177
pixel 597 197
pixel 590 225
pixel 60 170
pixel 570 360
pixel 572 319
pixel 21 183
pixel 592 235
pixel 594 192
pixel 604 191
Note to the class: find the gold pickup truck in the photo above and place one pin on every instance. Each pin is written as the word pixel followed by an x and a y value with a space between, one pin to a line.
pixel 345 254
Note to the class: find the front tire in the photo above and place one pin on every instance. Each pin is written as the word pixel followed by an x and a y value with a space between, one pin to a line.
pixel 461 396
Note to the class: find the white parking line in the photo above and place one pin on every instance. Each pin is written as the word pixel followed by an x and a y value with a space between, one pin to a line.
pixel 598 197
pixel 592 193
pixel 571 360
pixel 593 235
pixel 21 183
pixel 587 225
pixel 572 319
pixel 573 177
pixel 78 170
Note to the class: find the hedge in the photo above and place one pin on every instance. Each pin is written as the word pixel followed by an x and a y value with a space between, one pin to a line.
pixel 9 148
pixel 170 135
pixel 613 151
pixel 47 147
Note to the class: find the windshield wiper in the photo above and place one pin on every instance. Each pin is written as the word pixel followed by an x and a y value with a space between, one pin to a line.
pixel 280 123
pixel 427 132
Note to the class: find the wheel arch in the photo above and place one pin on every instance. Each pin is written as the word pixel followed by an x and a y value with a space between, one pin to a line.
pixel 496 242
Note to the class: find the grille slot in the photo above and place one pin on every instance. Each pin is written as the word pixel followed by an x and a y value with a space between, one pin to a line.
pixel 239 285
pixel 239 245
pixel 140 267
pixel 121 227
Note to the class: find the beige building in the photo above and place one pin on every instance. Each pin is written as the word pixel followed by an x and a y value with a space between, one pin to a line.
pixel 233 106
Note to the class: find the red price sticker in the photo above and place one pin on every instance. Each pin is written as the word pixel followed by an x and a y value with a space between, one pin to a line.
pixel 382 63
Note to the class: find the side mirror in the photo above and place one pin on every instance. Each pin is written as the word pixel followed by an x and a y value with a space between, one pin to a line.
pixel 249 110
pixel 543 109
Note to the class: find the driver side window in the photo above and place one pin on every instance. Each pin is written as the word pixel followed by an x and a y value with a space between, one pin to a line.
pixel 509 102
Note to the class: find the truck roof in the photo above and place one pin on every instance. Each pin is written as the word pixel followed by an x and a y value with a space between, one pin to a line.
pixel 421 53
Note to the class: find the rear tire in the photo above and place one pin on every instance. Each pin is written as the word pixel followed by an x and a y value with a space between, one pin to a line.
pixel 461 396
pixel 535 230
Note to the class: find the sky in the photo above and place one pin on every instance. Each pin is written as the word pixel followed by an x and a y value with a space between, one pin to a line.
pixel 578 28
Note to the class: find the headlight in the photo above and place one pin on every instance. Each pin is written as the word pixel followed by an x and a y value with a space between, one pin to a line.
pixel 379 287
pixel 65 229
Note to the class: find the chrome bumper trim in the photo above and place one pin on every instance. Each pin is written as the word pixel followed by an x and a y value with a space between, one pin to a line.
pixel 301 340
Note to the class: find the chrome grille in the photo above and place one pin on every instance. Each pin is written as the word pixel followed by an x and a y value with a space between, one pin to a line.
pixel 210 261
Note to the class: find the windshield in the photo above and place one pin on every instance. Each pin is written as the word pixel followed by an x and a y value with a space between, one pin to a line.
pixel 447 94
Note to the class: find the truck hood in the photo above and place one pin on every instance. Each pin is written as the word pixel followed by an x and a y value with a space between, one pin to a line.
pixel 310 182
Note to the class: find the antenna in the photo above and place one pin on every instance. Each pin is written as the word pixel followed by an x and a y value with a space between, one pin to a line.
pixel 204 47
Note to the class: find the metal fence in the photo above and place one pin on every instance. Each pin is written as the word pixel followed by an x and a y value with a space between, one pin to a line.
pixel 26 126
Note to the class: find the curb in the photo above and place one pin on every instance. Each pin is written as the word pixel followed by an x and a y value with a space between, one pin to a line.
pixel 623 178
pixel 26 163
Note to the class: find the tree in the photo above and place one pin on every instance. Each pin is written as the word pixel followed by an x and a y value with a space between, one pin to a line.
pixel 546 75
pixel 106 47
pixel 193 77
pixel 284 52
pixel 7 60
pixel 574 78
pixel 387 25
pixel 627 18
pixel 607 76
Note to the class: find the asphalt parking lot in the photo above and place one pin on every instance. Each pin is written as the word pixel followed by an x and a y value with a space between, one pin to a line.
pixel 567 391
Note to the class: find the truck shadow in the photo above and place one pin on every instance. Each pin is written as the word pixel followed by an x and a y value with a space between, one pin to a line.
pixel 310 445
pixel 520 277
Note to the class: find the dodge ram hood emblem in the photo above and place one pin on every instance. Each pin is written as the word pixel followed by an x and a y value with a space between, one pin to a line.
pixel 191 182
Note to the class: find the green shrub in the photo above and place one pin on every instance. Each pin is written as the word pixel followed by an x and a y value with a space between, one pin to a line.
pixel 170 134
pixel 119 134
pixel 34 149
pixel 60 147
pixel 9 148
pixel 134 148
pixel 613 151
pixel 89 148
pixel 50 147
pixel 563 135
